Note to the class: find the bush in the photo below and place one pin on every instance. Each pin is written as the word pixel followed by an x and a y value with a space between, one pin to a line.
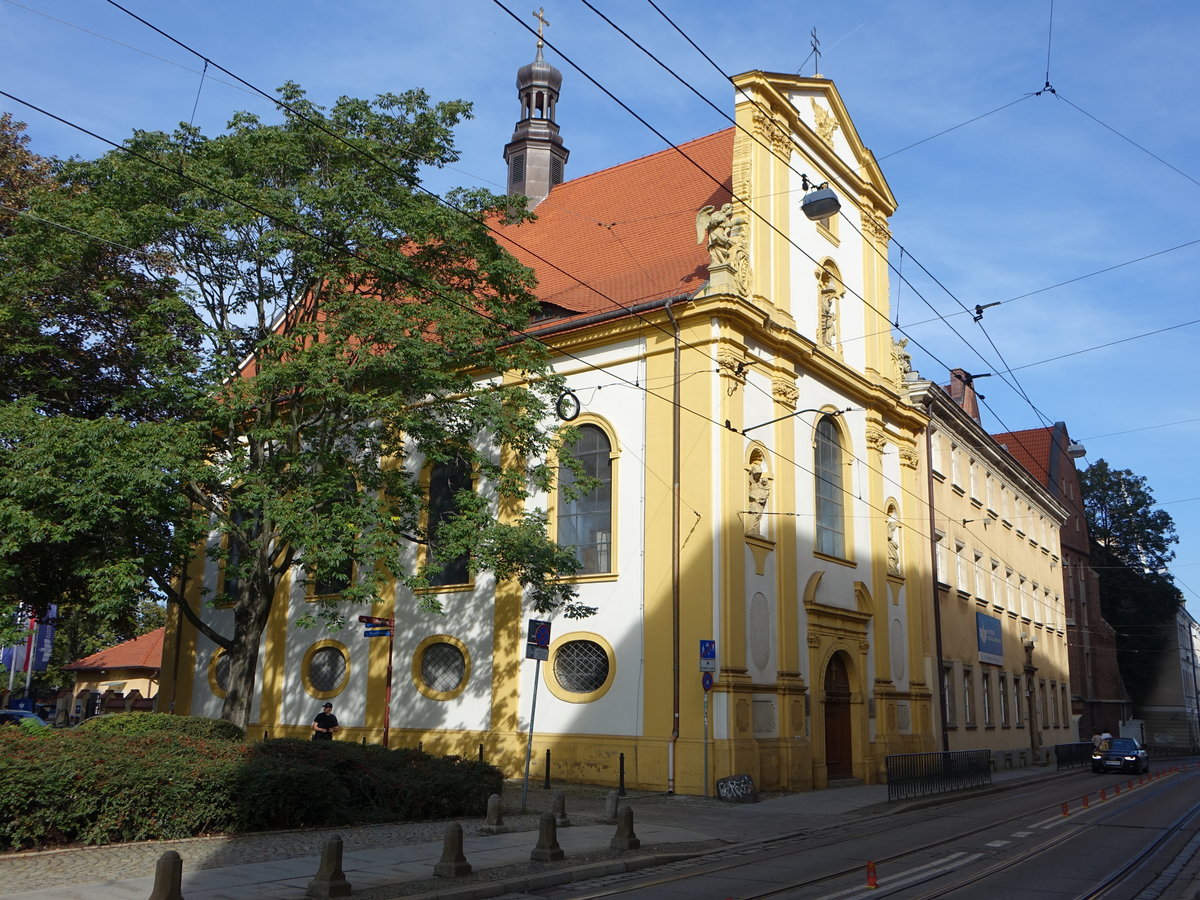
pixel 146 723
pixel 89 786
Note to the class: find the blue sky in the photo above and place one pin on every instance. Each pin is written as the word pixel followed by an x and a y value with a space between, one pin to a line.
pixel 1049 189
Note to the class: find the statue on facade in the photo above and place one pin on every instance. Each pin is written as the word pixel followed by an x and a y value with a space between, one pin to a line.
pixel 758 491
pixel 721 228
pixel 893 543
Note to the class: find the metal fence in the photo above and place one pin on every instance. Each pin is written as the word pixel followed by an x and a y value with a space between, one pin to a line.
pixel 921 774
pixel 1073 756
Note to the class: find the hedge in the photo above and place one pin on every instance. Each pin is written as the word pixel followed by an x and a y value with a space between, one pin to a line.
pixel 84 786
pixel 147 722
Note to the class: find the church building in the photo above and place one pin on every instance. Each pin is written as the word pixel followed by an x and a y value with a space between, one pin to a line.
pixel 758 550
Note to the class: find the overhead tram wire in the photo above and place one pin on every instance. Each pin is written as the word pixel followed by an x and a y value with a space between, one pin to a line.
pixel 283 105
pixel 1018 390
pixel 384 165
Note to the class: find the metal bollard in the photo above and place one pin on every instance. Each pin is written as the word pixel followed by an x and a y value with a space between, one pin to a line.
pixel 546 786
pixel 481 752
pixel 621 783
pixel 547 849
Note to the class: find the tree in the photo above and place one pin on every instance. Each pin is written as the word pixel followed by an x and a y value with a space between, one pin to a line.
pixel 1131 547
pixel 349 323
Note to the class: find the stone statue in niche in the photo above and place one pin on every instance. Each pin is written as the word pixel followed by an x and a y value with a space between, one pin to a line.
pixel 827 323
pixel 893 543
pixel 758 492
pixel 721 227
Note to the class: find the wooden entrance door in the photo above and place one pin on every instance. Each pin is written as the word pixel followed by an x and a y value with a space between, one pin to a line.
pixel 839 749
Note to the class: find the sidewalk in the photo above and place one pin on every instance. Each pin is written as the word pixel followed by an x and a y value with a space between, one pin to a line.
pixel 391 861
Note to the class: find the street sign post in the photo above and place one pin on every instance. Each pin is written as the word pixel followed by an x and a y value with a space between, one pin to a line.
pixel 377 632
pixel 537 647
pixel 708 665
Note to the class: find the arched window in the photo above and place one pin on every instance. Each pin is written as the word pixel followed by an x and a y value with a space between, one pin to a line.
pixel 585 521
pixel 446 481
pixel 831 515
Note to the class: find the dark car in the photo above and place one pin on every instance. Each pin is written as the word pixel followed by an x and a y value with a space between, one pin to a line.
pixel 1120 755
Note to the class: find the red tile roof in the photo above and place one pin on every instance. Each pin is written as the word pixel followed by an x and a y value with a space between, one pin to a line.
pixel 143 652
pixel 629 232
pixel 1031 448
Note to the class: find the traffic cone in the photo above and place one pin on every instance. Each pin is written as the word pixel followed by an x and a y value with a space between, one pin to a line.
pixel 1085 801
pixel 872 883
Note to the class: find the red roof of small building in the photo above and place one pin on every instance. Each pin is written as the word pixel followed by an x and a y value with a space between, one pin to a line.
pixel 143 652
pixel 1031 448
pixel 627 233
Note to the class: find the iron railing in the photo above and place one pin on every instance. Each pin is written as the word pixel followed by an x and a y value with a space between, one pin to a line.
pixel 921 774
pixel 1073 756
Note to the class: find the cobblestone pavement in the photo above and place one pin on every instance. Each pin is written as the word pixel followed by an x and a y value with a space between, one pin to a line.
pixel 52 868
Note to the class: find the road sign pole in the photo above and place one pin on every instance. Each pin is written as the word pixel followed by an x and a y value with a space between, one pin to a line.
pixel 387 694
pixel 537 672
pixel 706 744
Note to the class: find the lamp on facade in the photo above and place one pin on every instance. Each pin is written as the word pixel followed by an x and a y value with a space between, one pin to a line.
pixel 820 202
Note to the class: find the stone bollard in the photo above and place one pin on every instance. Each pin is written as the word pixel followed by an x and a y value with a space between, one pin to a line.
pixel 452 864
pixel 624 839
pixel 560 809
pixel 494 823
pixel 547 849
pixel 611 799
pixel 330 880
pixel 168 877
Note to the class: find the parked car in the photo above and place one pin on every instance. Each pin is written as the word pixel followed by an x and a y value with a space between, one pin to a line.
pixel 13 716
pixel 1120 755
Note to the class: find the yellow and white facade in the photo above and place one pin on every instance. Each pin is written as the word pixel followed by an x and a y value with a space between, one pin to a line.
pixel 740 389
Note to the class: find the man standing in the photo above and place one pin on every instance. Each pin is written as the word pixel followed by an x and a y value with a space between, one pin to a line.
pixel 325 724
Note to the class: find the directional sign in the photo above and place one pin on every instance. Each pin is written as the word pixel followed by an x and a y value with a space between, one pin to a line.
pixel 538 640
pixel 377 632
pixel 708 656
pixel 375 620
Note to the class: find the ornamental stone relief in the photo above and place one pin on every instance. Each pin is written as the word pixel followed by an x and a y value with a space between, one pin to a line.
pixel 774 133
pixel 826 124
pixel 876 440
pixel 908 457
pixel 876 226
pixel 785 393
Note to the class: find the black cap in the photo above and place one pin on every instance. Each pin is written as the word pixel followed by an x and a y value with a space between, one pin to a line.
pixel 327 706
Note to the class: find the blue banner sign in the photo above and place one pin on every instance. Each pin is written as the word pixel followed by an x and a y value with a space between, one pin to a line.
pixel 991 643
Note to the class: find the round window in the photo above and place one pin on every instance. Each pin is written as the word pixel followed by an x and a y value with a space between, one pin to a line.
pixel 326 669
pixel 443 667
pixel 581 666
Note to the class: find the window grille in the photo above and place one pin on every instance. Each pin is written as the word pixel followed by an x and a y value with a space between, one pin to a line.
pixel 581 666
pixel 442 667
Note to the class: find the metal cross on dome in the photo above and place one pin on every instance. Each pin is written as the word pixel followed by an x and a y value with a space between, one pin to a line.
pixel 543 22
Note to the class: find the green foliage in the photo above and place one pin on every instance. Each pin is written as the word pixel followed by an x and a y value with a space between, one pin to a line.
pixel 367 323
pixel 1131 546
pixel 139 723
pixel 88 786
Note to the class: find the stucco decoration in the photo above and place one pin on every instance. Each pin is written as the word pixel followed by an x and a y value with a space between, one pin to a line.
pixel 876 226
pixel 877 440
pixel 774 133
pixel 909 457
pixel 902 361
pixel 785 393
pixel 893 541
pixel 826 123
pixel 760 631
pixel 758 491
pixel 830 293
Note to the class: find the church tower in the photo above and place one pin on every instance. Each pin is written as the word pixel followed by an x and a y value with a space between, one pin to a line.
pixel 536 156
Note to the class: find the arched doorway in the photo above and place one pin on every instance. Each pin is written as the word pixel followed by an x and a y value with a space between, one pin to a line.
pixel 839 745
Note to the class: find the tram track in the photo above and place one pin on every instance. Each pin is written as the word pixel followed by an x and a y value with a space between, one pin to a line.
pixel 743 856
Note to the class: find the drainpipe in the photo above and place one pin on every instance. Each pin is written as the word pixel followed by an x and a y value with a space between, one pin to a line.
pixel 675 470
pixel 937 600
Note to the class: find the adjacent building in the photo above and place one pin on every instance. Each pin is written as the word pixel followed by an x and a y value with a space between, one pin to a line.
pixel 998 649
pixel 1099 700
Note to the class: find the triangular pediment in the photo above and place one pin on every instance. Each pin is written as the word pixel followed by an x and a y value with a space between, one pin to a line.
pixel 811 111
